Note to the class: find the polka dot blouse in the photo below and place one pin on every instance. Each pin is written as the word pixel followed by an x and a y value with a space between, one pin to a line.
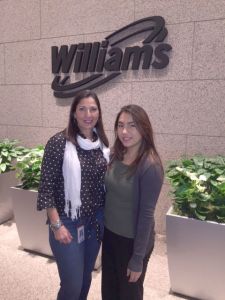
pixel 51 189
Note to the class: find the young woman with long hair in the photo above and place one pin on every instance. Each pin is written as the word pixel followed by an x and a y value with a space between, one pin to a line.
pixel 133 183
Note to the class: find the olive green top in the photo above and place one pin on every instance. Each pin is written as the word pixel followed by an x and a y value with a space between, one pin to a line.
pixel 119 200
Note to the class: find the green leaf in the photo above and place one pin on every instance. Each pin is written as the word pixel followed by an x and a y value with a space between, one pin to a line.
pixel 198 160
pixel 221 178
pixel 3 167
pixel 4 153
pixel 200 216
pixel 218 171
pixel 221 187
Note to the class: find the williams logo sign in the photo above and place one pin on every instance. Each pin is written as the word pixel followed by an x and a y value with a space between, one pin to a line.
pixel 103 61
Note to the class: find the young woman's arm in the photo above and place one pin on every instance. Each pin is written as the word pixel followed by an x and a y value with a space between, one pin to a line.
pixel 50 170
pixel 150 184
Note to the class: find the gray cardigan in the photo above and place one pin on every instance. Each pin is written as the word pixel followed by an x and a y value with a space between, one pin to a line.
pixel 148 181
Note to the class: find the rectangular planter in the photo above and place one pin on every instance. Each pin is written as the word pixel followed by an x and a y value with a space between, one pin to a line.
pixel 196 257
pixel 7 180
pixel 31 224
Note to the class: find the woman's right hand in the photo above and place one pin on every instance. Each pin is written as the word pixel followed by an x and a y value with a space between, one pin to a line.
pixel 63 235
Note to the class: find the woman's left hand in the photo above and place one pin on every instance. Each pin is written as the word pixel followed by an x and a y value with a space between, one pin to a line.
pixel 133 276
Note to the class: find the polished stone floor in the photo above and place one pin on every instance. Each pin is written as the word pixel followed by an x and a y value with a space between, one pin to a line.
pixel 28 276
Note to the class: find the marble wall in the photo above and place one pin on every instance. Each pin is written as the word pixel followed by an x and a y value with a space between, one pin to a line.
pixel 185 101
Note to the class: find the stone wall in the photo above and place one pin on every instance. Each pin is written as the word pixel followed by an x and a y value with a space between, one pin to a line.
pixel 185 101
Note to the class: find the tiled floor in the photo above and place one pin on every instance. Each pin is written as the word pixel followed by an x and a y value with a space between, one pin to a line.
pixel 26 276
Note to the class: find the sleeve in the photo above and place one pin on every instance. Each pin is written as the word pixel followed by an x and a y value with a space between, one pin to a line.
pixel 50 171
pixel 149 189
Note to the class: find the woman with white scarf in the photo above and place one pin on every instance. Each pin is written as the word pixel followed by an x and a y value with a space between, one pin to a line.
pixel 72 191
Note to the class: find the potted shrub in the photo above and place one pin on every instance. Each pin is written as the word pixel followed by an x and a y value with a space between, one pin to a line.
pixel 195 227
pixel 31 224
pixel 9 151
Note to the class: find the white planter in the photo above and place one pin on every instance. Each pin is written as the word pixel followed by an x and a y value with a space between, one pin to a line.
pixel 196 257
pixel 31 224
pixel 7 180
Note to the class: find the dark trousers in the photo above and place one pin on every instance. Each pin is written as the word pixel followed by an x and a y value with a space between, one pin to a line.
pixel 116 253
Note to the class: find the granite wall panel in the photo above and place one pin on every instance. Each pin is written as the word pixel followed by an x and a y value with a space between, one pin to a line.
pixel 170 146
pixel 31 136
pixel 19 20
pixel 112 98
pixel 207 145
pixel 20 105
pixel 171 10
pixel 55 112
pixel 208 50
pixel 2 64
pixel 3 132
pixel 180 11
pixel 167 104
pixel 208 108
pixel 197 10
pixel 70 17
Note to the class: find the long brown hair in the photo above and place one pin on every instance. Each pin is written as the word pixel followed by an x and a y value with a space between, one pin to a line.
pixel 147 147
pixel 72 129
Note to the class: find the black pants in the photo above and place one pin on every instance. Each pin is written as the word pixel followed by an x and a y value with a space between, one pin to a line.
pixel 116 253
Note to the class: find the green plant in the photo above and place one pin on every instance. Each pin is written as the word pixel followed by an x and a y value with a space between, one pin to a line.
pixel 198 187
pixel 9 151
pixel 29 168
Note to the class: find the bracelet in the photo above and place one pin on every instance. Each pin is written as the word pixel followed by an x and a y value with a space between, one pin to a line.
pixel 55 226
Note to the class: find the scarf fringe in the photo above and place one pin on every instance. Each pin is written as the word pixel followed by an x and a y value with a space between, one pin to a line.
pixel 72 173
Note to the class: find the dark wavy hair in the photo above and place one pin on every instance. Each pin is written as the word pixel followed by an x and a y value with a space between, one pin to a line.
pixel 72 129
pixel 147 147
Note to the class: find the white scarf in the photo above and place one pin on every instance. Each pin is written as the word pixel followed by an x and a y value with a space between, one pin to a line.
pixel 72 172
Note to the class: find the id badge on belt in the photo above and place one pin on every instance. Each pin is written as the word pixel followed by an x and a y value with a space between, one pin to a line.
pixel 80 234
